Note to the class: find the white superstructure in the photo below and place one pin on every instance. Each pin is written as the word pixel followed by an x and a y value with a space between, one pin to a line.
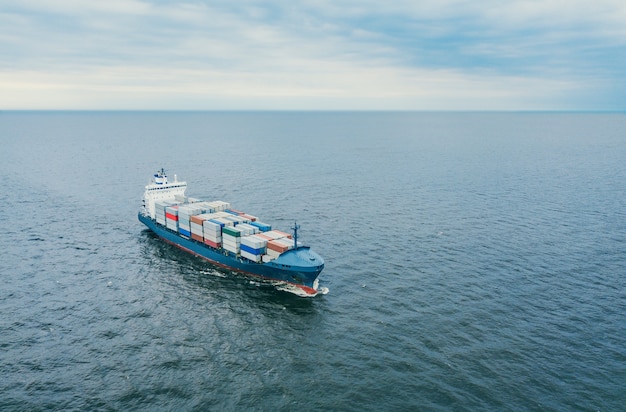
pixel 160 189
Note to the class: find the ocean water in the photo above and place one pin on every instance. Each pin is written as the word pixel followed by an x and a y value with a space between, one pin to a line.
pixel 475 261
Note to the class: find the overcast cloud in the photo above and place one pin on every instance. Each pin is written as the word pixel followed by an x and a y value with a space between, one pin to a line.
pixel 320 55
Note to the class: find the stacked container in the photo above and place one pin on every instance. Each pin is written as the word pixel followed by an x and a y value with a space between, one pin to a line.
pixel 159 210
pixel 222 221
pixel 219 206
pixel 197 227
pixel 276 234
pixel 184 215
pixel 171 217
pixel 212 233
pixel 253 247
pixel 278 246
pixel 250 218
pixel 218 226
pixel 248 229
pixel 231 239
pixel 263 227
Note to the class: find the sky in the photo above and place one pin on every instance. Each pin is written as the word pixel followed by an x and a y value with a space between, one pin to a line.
pixel 313 55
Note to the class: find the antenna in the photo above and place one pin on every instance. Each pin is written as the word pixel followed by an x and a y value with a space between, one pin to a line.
pixel 295 228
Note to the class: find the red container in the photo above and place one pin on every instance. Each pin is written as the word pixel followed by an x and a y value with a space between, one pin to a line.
pixel 196 237
pixel 213 244
pixel 171 217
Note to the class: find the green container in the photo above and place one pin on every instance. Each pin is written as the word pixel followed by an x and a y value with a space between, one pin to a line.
pixel 231 231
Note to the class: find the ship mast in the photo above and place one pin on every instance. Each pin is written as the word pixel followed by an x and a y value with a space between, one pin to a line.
pixel 295 228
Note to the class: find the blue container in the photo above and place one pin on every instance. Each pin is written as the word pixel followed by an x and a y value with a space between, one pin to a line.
pixel 184 232
pixel 252 250
pixel 262 226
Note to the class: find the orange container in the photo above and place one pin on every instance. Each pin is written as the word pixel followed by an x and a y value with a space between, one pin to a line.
pixel 277 247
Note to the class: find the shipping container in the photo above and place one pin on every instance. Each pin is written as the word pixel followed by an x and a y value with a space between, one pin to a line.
pixel 231 248
pixel 214 239
pixel 219 205
pixel 211 228
pixel 250 229
pixel 263 227
pixel 277 246
pixel 232 231
pixel 171 224
pixel 282 234
pixel 197 229
pixel 273 254
pixel 224 221
pixel 211 243
pixel 254 241
pixel 227 239
pixel 274 234
pixel 286 242
pixel 232 218
pixel 252 250
pixel 250 256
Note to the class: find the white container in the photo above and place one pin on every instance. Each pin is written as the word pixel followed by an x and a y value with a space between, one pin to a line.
pixel 273 254
pixel 225 222
pixel 254 242
pixel 253 229
pixel 210 230
pixel 230 248
pixel 196 228
pixel 285 241
pixel 231 239
pixel 274 235
pixel 254 258
pixel 213 238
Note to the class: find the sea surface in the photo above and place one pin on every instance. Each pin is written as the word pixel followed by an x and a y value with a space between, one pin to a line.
pixel 474 261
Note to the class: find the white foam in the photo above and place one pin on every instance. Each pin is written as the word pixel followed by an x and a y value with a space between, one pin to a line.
pixel 288 287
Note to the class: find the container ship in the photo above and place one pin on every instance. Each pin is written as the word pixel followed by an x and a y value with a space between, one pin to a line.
pixel 229 238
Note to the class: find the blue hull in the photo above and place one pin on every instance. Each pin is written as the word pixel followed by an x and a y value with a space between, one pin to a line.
pixel 299 267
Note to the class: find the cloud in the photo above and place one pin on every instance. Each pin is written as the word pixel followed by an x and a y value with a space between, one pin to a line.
pixel 365 54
